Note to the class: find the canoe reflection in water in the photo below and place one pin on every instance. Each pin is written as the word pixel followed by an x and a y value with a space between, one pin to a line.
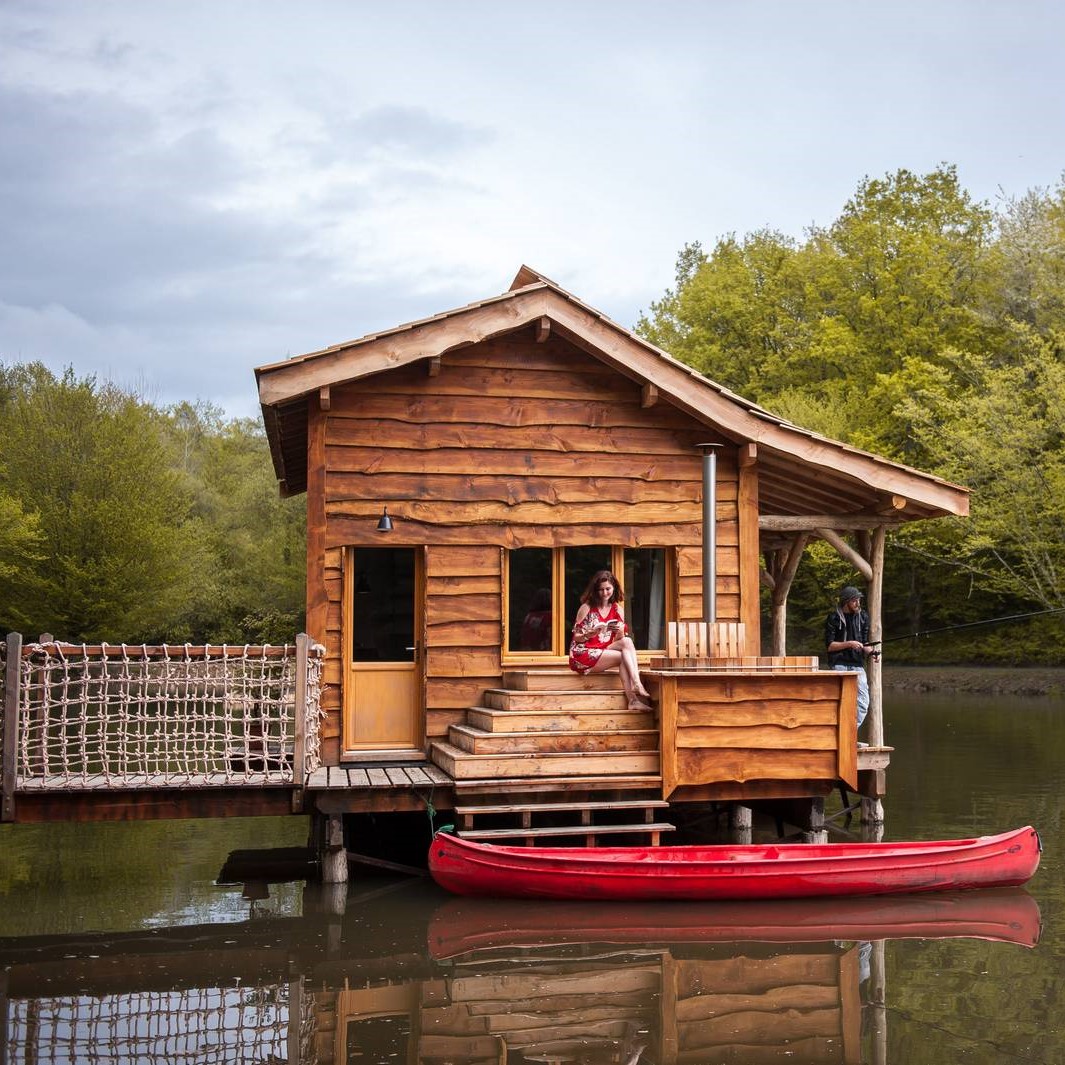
pixel 1007 914
pixel 406 978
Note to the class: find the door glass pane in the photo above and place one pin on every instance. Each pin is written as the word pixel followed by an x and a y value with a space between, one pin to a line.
pixel 529 610
pixel 581 564
pixel 383 605
pixel 645 595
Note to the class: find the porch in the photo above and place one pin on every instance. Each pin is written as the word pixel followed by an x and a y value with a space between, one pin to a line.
pixel 127 733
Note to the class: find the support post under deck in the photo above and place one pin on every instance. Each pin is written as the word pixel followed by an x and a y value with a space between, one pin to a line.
pixel 9 738
pixel 334 858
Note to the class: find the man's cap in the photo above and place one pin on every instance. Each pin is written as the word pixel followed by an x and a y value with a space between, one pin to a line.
pixel 848 593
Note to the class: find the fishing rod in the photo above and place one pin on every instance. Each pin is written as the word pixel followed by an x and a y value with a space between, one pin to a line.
pixel 972 624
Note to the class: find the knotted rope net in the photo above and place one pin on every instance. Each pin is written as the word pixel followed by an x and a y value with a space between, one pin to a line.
pixel 165 716
pixel 196 1026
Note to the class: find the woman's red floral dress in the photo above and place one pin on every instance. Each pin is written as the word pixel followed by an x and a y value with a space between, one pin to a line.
pixel 587 644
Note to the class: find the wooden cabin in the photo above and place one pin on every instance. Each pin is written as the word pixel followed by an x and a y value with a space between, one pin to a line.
pixel 467 473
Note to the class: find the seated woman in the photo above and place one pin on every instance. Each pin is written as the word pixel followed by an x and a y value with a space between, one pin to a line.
pixel 600 641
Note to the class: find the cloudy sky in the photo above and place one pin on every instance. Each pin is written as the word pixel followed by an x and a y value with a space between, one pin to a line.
pixel 190 189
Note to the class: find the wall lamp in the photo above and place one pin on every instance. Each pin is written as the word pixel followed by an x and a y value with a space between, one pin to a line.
pixel 384 523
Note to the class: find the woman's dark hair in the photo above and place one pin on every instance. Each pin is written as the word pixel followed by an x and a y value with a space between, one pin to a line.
pixel 591 592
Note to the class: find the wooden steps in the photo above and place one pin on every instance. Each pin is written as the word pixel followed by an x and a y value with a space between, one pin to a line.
pixel 461 765
pixel 555 701
pixel 559 680
pixel 549 724
pixel 561 819
pixel 590 834
pixel 586 765
pixel 478 741
pixel 591 719
pixel 575 787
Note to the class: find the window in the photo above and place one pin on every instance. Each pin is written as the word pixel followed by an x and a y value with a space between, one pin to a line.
pixel 544 587
pixel 645 595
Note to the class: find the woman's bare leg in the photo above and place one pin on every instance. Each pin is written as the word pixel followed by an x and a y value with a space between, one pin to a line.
pixel 628 650
pixel 624 658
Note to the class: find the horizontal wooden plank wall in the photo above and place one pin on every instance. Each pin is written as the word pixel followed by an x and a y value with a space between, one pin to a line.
pixel 464 631
pixel 758 731
pixel 509 443
pixel 750 1008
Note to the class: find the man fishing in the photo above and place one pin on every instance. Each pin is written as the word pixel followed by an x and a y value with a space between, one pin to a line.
pixel 847 642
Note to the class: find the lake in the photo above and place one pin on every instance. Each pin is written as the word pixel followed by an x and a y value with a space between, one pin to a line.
pixel 117 945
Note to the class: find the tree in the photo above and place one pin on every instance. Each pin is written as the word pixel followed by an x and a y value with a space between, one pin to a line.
pixel 117 546
pixel 257 540
pixel 925 327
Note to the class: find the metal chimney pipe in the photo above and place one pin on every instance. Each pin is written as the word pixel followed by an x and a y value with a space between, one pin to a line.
pixel 709 531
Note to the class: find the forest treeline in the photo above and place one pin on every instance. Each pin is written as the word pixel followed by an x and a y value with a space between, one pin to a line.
pixel 123 522
pixel 928 328
pixel 920 325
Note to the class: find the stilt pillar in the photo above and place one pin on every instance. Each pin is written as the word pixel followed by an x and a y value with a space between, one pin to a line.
pixel 815 830
pixel 872 811
pixel 740 823
pixel 327 833
pixel 878 1002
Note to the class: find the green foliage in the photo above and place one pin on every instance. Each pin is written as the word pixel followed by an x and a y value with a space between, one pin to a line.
pixel 928 328
pixel 122 522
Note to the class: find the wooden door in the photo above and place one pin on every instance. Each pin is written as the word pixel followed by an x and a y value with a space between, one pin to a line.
pixel 383 652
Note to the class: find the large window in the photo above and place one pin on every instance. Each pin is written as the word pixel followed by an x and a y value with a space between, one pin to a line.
pixel 544 587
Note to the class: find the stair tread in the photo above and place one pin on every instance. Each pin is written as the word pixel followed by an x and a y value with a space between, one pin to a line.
pixel 453 751
pixel 562 807
pixel 473 730
pixel 568 830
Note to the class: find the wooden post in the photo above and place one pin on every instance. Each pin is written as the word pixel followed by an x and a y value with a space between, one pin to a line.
pixel 9 740
pixel 740 823
pixel 873 814
pixel 295 1015
pixel 875 729
pixel 334 856
pixel 299 744
pixel 878 1001
pixel 782 581
pixel 815 831
pixel 3 1016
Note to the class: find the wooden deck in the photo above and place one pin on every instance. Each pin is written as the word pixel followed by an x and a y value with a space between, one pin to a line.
pixel 544 745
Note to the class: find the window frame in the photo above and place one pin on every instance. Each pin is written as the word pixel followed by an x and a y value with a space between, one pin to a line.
pixel 561 626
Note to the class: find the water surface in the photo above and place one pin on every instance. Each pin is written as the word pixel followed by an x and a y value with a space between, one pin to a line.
pixel 117 945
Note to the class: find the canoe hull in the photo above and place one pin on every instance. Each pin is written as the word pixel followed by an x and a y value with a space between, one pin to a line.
pixel 733 872
pixel 464 926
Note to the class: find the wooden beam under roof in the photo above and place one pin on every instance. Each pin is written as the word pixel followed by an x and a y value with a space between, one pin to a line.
pixel 813 522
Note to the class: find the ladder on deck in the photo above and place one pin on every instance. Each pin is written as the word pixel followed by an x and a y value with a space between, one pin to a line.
pixel 571 822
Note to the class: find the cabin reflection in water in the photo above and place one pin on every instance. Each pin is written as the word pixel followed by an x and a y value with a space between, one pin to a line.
pixel 464 983
pixel 737 1002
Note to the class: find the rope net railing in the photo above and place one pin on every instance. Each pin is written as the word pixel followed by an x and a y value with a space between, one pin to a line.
pixel 198 1026
pixel 167 716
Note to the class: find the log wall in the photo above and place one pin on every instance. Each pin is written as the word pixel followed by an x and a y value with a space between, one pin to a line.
pixel 724 732
pixel 504 444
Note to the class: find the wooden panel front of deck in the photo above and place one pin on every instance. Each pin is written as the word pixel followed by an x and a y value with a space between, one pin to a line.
pixel 757 735
pixel 505 444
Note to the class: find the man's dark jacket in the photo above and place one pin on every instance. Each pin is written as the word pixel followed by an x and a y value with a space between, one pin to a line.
pixel 840 626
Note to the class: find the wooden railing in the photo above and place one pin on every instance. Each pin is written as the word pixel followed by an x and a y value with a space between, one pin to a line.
pixel 80 717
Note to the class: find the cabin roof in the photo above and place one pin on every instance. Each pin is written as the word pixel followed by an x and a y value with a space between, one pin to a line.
pixel 801 473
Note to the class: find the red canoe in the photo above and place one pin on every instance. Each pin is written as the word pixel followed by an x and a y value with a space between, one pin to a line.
pixel 1008 915
pixel 758 871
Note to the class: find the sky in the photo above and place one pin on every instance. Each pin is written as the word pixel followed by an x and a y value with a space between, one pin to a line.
pixel 192 189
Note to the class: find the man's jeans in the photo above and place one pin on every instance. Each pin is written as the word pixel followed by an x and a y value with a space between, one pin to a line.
pixel 863 689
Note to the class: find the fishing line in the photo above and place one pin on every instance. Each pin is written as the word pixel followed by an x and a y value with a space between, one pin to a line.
pixel 973 624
